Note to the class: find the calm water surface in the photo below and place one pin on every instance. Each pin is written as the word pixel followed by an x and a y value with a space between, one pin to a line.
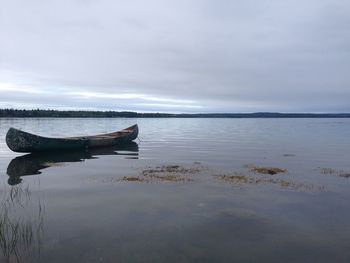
pixel 101 206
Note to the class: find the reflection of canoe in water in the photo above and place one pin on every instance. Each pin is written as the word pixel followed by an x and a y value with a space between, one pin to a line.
pixel 31 164
pixel 20 141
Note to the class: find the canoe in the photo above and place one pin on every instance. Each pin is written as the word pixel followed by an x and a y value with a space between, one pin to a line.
pixel 20 141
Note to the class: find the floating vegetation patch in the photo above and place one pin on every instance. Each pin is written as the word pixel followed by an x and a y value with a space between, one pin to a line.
pixel 171 169
pixel 331 171
pixel 109 179
pixel 153 178
pixel 133 179
pixel 239 179
pixel 170 173
pixel 265 170
pixel 235 178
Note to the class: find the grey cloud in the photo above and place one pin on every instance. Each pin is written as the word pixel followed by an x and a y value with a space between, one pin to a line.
pixel 222 55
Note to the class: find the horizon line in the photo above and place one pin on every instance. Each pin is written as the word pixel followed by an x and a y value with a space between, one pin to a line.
pixel 177 113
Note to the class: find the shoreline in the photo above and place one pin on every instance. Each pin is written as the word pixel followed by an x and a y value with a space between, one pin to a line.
pixel 39 113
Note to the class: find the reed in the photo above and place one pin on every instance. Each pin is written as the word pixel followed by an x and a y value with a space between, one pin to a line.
pixel 21 224
pixel 331 171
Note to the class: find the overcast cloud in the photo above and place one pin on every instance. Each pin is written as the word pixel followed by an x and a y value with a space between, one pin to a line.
pixel 176 56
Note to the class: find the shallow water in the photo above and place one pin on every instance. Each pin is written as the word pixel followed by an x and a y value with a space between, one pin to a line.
pixel 81 207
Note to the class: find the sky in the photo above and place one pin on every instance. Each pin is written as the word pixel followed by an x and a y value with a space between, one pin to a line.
pixel 176 56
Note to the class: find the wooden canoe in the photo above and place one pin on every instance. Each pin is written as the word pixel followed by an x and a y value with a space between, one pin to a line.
pixel 20 141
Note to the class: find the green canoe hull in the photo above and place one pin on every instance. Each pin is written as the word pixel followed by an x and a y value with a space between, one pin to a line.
pixel 20 141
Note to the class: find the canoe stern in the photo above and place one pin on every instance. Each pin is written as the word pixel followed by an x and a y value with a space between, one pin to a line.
pixel 135 132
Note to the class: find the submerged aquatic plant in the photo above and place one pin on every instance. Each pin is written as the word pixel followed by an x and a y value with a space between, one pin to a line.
pixel 170 173
pixel 234 178
pixel 265 170
pixel 133 179
pixel 172 169
pixel 340 173
pixel 240 179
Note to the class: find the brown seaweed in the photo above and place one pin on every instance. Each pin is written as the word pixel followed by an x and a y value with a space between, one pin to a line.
pixel 265 170
pixel 240 179
pixel 170 173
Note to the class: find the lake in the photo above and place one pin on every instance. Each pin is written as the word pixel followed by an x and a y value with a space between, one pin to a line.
pixel 188 190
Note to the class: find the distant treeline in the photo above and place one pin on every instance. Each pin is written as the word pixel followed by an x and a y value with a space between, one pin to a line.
pixel 37 113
